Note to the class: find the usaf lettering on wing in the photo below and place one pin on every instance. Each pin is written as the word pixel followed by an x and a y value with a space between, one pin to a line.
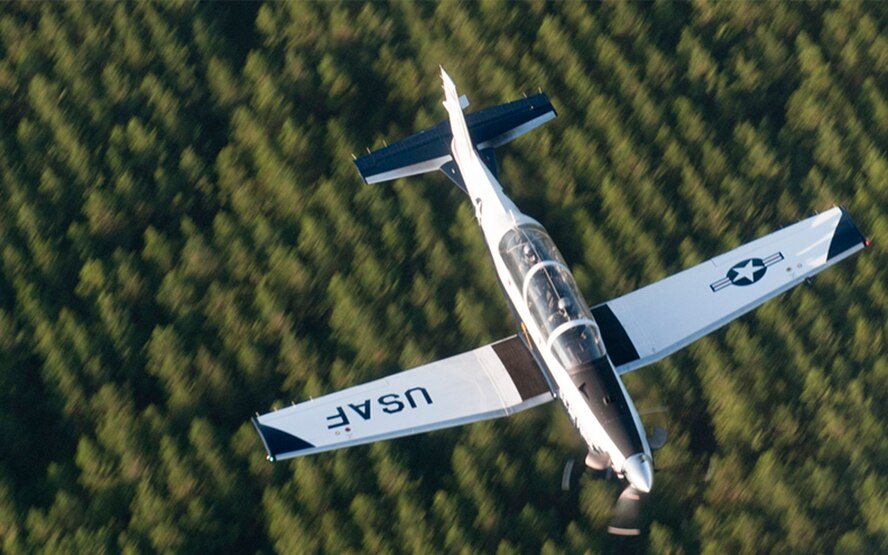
pixel 389 403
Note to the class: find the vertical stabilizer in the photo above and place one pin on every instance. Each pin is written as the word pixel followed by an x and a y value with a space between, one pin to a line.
pixel 462 147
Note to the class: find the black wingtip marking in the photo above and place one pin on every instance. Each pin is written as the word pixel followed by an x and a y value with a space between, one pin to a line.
pixel 277 441
pixel 846 236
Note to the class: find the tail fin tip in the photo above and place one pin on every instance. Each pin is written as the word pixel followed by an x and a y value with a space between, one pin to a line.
pixel 450 95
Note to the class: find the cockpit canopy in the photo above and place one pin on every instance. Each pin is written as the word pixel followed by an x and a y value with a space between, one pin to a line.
pixel 548 288
pixel 552 296
pixel 525 246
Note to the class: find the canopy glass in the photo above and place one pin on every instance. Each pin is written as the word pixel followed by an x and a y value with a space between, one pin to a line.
pixel 551 294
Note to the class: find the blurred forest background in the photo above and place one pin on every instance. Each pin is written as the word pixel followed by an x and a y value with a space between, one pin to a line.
pixel 184 241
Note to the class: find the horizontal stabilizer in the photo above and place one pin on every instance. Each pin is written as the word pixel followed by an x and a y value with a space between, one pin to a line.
pixel 429 149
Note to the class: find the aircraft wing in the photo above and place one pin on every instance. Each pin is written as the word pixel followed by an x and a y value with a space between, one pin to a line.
pixel 655 321
pixel 495 380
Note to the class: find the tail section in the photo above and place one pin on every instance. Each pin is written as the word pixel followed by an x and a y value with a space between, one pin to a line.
pixel 430 149
pixel 461 147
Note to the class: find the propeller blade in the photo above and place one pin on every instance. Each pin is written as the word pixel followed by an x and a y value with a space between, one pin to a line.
pixel 566 475
pixel 658 438
pixel 597 461
pixel 710 469
pixel 626 520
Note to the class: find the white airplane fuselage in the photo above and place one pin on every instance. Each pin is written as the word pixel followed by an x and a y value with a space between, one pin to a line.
pixel 498 217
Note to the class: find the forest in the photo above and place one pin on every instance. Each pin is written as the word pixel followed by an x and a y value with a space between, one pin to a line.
pixel 185 242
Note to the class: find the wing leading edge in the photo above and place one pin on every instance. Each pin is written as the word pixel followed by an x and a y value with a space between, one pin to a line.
pixel 653 322
pixel 492 381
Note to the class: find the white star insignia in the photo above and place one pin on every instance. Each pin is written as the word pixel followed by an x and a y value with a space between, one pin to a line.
pixel 746 271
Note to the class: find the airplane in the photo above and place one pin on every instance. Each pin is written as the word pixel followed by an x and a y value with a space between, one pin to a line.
pixel 564 348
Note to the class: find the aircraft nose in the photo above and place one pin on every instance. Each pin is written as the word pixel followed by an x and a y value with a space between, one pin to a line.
pixel 639 471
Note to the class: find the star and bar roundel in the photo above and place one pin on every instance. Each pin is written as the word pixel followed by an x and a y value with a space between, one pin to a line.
pixel 746 272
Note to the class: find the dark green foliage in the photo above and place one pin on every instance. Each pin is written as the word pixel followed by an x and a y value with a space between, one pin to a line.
pixel 184 241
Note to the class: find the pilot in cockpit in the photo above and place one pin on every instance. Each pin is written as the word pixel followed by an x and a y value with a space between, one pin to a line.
pixel 530 257
pixel 562 314
pixel 564 307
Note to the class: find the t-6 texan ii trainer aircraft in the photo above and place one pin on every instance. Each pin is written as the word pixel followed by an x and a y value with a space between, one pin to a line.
pixel 564 348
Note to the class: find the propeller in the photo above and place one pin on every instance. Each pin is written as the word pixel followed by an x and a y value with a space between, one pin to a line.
pixel 627 515
pixel 627 520
pixel 567 477
pixel 598 462
pixel 658 438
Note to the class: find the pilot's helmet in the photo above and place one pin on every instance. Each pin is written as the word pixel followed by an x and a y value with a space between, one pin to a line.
pixel 528 252
pixel 563 303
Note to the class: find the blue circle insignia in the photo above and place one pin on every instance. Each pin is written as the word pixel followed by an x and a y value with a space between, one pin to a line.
pixel 747 272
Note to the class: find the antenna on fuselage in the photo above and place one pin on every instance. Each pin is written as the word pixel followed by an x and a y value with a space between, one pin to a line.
pixel 514 219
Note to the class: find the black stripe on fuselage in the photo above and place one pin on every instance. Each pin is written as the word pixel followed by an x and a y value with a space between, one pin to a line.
pixel 601 390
